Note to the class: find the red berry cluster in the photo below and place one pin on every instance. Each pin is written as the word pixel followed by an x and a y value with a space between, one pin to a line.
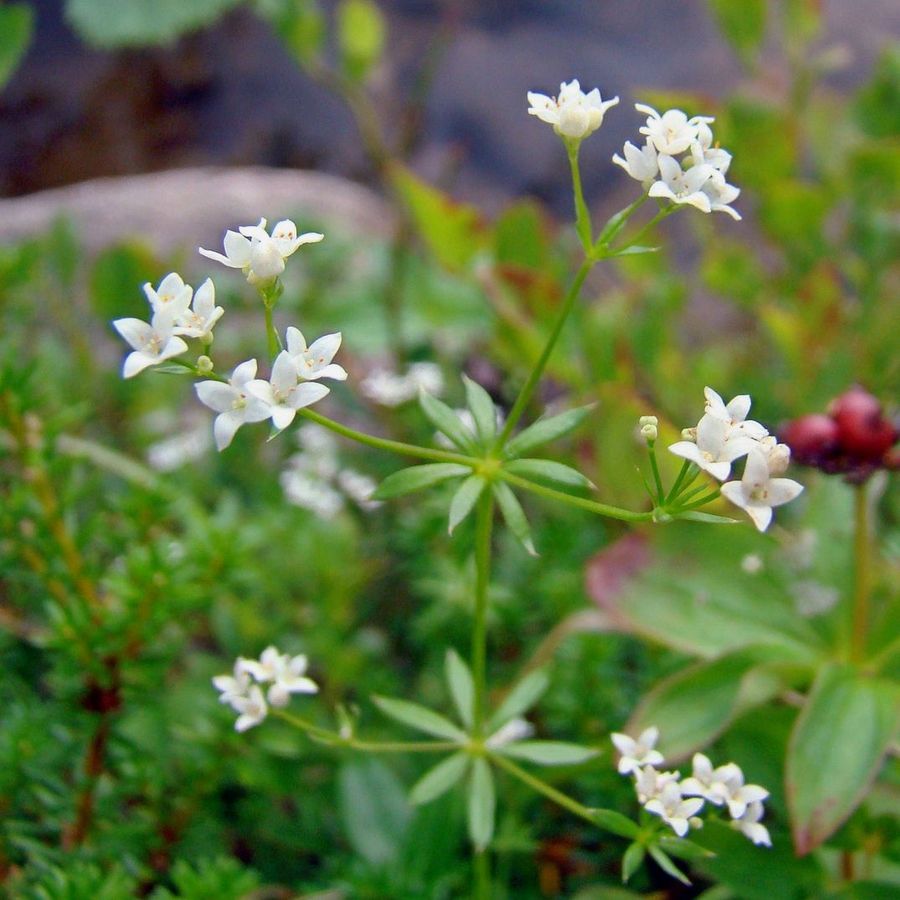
pixel 854 439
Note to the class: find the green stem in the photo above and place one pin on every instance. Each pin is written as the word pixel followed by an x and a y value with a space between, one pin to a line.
pixel 665 212
pixel 582 214
pixel 386 444
pixel 685 467
pixel 483 527
pixel 614 225
pixel 660 493
pixel 272 341
pixel 862 557
pixel 696 504
pixel 602 509
pixel 531 384
pixel 482 870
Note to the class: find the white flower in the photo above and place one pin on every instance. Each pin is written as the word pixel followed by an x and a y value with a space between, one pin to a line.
pixel 232 402
pixel 749 825
pixel 311 492
pixel 721 194
pixel 673 809
pixel 708 782
pixel 284 236
pixel 315 361
pixel 198 321
pixel 252 709
pixel 757 493
pixel 672 132
pixel 716 447
pixel 573 114
pixel 233 686
pixel 641 164
pixel 286 674
pixel 682 186
pixel 737 795
pixel 734 413
pixel 283 394
pixel 358 487
pixel 172 295
pixel 153 343
pixel 648 783
pixel 514 730
pixel 390 389
pixel 636 753
pixel 173 452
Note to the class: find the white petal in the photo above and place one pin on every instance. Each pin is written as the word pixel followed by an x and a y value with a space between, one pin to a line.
pixel 325 347
pixel 237 249
pixel 217 396
pixel 296 343
pixel 243 373
pixel 135 331
pixel 307 393
pixel 282 416
pixel 225 427
pixel 783 490
pixel 284 373
pixel 137 362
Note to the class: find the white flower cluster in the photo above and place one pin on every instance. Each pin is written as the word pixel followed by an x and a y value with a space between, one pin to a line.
pixel 258 254
pixel 698 178
pixel 315 481
pixel 387 388
pixel 176 311
pixel 573 114
pixel 284 674
pixel 723 435
pixel 677 801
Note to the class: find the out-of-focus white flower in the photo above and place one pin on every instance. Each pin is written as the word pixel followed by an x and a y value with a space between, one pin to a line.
pixel 233 403
pixel 707 782
pixel 682 186
pixel 153 343
pixel 283 394
pixel 648 782
pixel 752 564
pixel 285 674
pixel 676 811
pixel 641 164
pixel 749 825
pixel 637 753
pixel 390 389
pixel 757 493
pixel 315 361
pixel 173 452
pixel 514 730
pixel 172 295
pixel 716 447
pixel 672 132
pixel 358 487
pixel 737 795
pixel 234 685
pixel 311 492
pixel 812 598
pixel 252 708
pixel 198 321
pixel 573 114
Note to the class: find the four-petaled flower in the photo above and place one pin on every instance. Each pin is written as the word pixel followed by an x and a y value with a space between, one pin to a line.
pixel 672 132
pixel 315 361
pixel 284 394
pixel 640 752
pixel 234 405
pixel 198 321
pixel 252 708
pixel 708 782
pixel 152 343
pixel 682 186
pixel 573 114
pixel 757 493
pixel 642 163
pixel 674 809
pixel 172 294
pixel 235 685
pixel 716 447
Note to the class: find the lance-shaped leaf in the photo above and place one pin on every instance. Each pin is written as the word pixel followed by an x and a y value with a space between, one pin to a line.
pixel 836 749
pixel 633 250
pixel 693 515
pixel 419 717
pixel 632 859
pixel 683 848
pixel 437 781
pixel 446 421
pixel 462 688
pixel 481 804
pixel 542 470
pixel 547 753
pixel 666 864
pixel 514 515
pixel 545 430
pixel 521 698
pixel 483 412
pixel 415 478
pixel 464 499
pixel 615 822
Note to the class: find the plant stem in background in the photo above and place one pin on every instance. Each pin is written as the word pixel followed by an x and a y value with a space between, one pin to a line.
pixel 862 587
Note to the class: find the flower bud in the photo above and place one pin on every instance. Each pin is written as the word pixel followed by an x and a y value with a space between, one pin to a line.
pixel 204 365
pixel 689 434
pixel 648 420
pixel 266 263
pixel 649 431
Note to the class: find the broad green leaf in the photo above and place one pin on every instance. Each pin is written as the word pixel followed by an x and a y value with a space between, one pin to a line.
pixel 464 499
pixel 415 478
pixel 373 809
pixel 541 470
pixel 548 753
pixel 117 23
pixel 446 421
pixel 666 864
pixel 836 749
pixel 419 717
pixel 16 26
pixel 453 231
pixel 632 859
pixel 514 515
pixel 437 781
pixel 361 36
pixel 615 822
pixel 462 688
pixel 545 430
pixel 521 698
pixel 481 804
pixel 742 22
pixel 483 412
pixel 695 705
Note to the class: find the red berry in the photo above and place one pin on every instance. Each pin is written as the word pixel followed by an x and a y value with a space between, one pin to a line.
pixel 862 430
pixel 811 438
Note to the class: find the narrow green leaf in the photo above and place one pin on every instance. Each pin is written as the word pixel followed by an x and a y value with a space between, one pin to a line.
pixel 615 822
pixel 361 33
pixel 545 430
pixel 683 848
pixel 548 753
pixel 631 860
pixel 446 421
pixel 667 865
pixel 481 804
pixel 548 470
pixel 16 25
pixel 694 515
pixel 521 698
pixel 462 688
pixel 514 515
pixel 415 478
pixel 419 717
pixel 836 749
pixel 464 499
pixel 633 250
pixel 613 226
pixel 300 24
pixel 483 412
pixel 437 781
